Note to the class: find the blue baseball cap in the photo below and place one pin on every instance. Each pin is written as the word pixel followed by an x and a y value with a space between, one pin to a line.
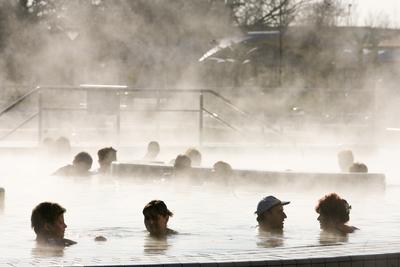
pixel 267 203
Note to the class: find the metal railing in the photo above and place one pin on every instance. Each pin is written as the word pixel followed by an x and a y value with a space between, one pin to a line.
pixel 120 91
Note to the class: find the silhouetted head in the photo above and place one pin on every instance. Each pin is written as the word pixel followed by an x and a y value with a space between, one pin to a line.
pixel 62 145
pixel 194 155
pixel 106 156
pixel 82 163
pixel 153 149
pixel 333 211
pixel 222 169
pixel 345 160
pixel 358 167
pixel 47 220
pixel 48 141
pixel 182 162
pixel 270 214
pixel 156 216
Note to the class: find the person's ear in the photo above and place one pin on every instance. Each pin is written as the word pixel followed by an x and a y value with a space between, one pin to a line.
pixel 48 227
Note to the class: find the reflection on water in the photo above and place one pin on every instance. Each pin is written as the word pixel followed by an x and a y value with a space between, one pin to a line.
pixel 155 245
pixel 329 238
pixel 269 239
pixel 217 219
pixel 41 251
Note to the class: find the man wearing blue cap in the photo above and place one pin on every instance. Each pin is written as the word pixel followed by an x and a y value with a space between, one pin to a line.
pixel 270 214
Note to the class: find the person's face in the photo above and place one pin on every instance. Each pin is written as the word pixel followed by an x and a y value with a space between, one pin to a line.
pixel 155 223
pixel 274 218
pixel 322 222
pixel 57 228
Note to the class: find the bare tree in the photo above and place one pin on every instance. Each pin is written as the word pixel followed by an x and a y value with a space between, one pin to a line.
pixel 270 13
pixel 326 13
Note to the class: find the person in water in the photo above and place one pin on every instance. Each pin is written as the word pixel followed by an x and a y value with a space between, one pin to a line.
pixel 334 213
pixel 80 166
pixel 358 167
pixel 221 172
pixel 153 149
pixel 270 214
pixel 222 169
pixel 345 160
pixel 182 165
pixel 47 220
pixel 106 156
pixel 195 156
pixel 156 216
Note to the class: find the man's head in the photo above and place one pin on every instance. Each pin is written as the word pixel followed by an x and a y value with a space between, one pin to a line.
pixel 153 148
pixel 358 167
pixel 62 145
pixel 345 160
pixel 182 162
pixel 82 162
pixel 332 210
pixel 156 215
pixel 106 156
pixel 47 220
pixel 270 214
pixel 222 169
pixel 194 155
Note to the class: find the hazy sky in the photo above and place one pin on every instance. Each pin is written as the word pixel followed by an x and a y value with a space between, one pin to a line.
pixel 381 10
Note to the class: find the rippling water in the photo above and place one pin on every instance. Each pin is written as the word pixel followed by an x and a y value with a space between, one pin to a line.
pixel 211 220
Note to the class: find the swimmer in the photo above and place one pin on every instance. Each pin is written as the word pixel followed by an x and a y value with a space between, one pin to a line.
pixel 182 165
pixel 358 167
pixel 106 156
pixel 345 160
pixel 153 149
pixel 334 214
pixel 195 156
pixel 156 216
pixel 80 166
pixel 270 214
pixel 47 220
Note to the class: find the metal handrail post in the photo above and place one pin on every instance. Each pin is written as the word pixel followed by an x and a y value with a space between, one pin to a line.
pixel 201 108
pixel 40 123
pixel 118 122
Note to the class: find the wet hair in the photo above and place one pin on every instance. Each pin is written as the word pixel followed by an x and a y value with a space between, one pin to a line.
pixel 182 162
pixel 158 207
pixel 334 208
pixel 102 153
pixel 194 155
pixel 45 212
pixel 358 167
pixel 83 157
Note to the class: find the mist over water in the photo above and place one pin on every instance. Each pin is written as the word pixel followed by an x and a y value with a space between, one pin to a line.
pixel 111 206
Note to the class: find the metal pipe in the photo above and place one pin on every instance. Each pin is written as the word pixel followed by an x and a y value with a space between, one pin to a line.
pixel 40 125
pixel 201 108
